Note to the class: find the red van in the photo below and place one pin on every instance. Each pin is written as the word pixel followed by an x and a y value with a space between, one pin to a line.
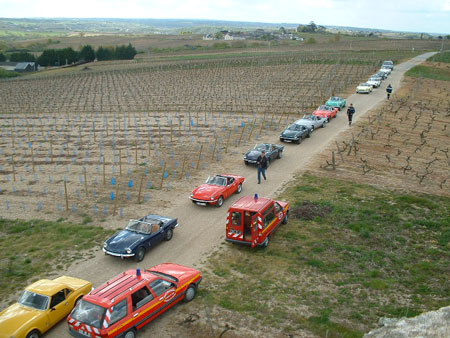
pixel 251 220
pixel 131 300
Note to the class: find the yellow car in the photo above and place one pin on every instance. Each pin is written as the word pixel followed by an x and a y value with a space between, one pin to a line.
pixel 42 305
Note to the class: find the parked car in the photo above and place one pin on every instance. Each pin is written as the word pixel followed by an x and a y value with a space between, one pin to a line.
pixel 295 133
pixel 125 304
pixel 375 82
pixel 381 74
pixel 336 101
pixel 387 71
pixel 252 220
pixel 41 306
pixel 327 112
pixel 216 189
pixel 388 64
pixel 364 88
pixel 313 121
pixel 273 151
pixel 139 236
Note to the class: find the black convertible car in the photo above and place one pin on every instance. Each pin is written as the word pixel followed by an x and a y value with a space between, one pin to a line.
pixel 295 133
pixel 140 235
pixel 273 151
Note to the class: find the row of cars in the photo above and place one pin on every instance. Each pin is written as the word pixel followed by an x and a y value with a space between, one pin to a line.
pixel 376 79
pixel 132 299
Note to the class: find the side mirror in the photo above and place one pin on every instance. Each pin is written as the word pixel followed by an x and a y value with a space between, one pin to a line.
pixel 52 309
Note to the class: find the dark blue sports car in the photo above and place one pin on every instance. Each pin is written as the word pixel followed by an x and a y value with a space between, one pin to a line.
pixel 273 151
pixel 140 235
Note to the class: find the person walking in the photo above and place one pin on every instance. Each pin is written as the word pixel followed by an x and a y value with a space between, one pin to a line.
pixel 261 162
pixel 389 91
pixel 350 111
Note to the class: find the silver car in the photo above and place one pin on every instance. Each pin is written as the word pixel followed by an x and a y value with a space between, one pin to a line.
pixel 312 121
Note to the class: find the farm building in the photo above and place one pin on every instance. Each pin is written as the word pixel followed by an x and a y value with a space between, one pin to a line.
pixel 23 67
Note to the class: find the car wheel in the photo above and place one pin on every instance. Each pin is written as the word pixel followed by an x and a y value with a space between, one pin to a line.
pixel 130 334
pixel 309 134
pixel 219 202
pixel 280 153
pixel 299 140
pixel 239 188
pixel 139 254
pixel 169 234
pixel 266 242
pixel 339 108
pixel 246 163
pixel 34 334
pixel 285 219
pixel 324 124
pixel 190 294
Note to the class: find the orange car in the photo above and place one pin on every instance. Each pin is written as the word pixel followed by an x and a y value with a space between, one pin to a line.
pixel 327 112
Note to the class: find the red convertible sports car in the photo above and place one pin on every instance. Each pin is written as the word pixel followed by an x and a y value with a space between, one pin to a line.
pixel 216 189
pixel 326 111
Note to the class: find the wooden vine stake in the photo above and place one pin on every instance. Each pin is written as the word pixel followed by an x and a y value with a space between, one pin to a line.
pixel 140 189
pixel 136 153
pixel 182 166
pixel 199 156
pixel 85 183
pixel 104 170
pixel 162 175
pixel 116 200
pixel 120 162
pixel 240 137
pixel 67 198
pixel 228 141
pixel 13 167
pixel 251 130
pixel 214 149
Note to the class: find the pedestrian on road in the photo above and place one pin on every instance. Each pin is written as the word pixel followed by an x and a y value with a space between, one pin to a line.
pixel 350 111
pixel 389 91
pixel 261 162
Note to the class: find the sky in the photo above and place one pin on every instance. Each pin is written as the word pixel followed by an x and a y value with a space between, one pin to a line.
pixel 428 16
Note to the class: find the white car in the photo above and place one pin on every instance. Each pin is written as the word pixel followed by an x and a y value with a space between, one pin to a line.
pixel 364 88
pixel 386 70
pixel 375 82
pixel 388 64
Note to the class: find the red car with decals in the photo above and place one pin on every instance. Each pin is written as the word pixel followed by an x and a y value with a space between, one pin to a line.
pixel 326 111
pixel 131 300
pixel 217 189
pixel 252 220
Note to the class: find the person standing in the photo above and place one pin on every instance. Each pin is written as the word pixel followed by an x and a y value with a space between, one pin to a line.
pixel 389 91
pixel 261 162
pixel 350 111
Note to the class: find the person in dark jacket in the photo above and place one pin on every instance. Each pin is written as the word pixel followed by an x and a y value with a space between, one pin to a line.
pixel 350 111
pixel 389 91
pixel 261 162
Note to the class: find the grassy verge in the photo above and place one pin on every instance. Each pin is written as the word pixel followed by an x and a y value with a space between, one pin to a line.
pixel 5 74
pixel 430 73
pixel 352 254
pixel 36 247
pixel 440 57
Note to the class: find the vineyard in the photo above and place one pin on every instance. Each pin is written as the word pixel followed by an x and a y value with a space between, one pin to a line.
pixel 96 142
pixel 404 144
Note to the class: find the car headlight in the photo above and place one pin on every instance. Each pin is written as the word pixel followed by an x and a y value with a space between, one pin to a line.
pixel 212 198
pixel 105 245
pixel 128 250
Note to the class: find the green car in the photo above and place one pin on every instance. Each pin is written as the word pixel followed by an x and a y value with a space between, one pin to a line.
pixel 336 101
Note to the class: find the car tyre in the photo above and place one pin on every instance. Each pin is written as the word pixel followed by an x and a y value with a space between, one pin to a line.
pixel 309 134
pixel 246 163
pixel 190 294
pixel 324 124
pixel 140 254
pixel 169 234
pixel 130 334
pixel 34 334
pixel 219 202
pixel 299 140
pixel 266 242
pixel 280 153
pixel 239 188
pixel 285 219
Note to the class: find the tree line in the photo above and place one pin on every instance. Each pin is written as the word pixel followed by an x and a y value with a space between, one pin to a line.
pixel 58 57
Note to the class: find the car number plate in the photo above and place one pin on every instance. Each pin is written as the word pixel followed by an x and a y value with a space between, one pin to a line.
pixel 287 140
pixel 201 203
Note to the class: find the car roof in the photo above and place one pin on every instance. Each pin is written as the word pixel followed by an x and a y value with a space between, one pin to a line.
pixel 250 203
pixel 46 287
pixel 119 286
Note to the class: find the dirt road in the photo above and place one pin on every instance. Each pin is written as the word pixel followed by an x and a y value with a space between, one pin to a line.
pixel 203 229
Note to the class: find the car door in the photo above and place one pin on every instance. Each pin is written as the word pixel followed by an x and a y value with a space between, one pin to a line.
pixel 255 230
pixel 59 306
pixel 230 188
pixel 157 234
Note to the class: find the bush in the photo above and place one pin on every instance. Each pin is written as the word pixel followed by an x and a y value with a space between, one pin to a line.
pixel 22 57
pixel 310 41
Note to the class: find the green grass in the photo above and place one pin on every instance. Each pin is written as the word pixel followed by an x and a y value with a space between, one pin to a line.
pixel 6 74
pixel 378 253
pixel 440 57
pixel 429 72
pixel 34 248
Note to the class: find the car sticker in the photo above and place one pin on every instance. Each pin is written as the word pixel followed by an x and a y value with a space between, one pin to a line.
pixel 280 215
pixel 169 295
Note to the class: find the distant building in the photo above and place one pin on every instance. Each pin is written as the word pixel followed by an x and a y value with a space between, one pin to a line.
pixel 208 37
pixel 24 67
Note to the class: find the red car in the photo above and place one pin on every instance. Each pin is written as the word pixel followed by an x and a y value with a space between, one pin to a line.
pixel 326 111
pixel 216 189
pixel 131 300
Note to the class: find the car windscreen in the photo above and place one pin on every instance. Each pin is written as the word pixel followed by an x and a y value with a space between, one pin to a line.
pixel 34 300
pixel 294 127
pixel 89 313
pixel 216 180
pixel 165 275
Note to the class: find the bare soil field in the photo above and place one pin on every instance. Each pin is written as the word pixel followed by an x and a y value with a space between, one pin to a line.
pixel 403 144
